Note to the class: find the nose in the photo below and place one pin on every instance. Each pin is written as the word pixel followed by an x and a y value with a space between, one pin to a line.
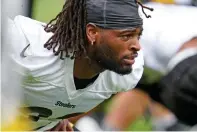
pixel 135 45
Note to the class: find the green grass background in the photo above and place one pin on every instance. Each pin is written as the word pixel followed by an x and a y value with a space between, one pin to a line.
pixel 45 10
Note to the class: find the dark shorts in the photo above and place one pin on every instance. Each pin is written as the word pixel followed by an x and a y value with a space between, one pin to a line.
pixel 178 90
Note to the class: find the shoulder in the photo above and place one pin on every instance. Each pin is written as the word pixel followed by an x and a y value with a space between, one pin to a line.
pixel 28 37
pixel 33 32
pixel 119 83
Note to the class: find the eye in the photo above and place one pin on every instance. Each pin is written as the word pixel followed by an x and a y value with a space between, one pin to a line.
pixel 126 37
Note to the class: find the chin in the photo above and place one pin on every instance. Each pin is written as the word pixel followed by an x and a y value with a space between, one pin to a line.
pixel 123 71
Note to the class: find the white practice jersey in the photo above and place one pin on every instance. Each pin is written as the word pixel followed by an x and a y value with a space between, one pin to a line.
pixel 169 27
pixel 49 87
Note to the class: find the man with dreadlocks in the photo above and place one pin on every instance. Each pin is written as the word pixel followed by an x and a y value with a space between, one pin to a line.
pixel 87 53
pixel 169 44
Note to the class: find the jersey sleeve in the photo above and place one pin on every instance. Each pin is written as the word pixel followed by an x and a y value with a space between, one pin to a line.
pixel 120 83
pixel 27 38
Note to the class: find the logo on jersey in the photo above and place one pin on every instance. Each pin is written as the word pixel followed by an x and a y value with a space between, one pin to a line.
pixel 67 105
pixel 22 54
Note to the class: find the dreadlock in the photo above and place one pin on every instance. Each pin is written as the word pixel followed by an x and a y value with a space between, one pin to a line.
pixel 144 7
pixel 69 30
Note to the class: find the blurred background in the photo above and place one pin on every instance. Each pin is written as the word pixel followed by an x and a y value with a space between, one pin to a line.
pixel 45 10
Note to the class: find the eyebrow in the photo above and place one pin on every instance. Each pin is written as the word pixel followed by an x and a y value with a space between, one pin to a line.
pixel 131 30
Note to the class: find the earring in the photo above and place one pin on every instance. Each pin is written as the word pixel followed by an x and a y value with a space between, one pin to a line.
pixel 92 43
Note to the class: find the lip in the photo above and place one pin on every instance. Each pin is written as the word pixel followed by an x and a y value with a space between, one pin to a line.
pixel 129 61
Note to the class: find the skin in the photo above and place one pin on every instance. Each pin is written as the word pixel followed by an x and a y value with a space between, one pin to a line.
pixel 134 108
pixel 108 49
pixel 189 44
pixel 138 103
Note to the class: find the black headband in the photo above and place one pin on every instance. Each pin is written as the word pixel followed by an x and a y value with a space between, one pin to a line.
pixel 114 14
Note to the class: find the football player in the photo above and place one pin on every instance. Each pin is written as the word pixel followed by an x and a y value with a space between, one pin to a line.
pixel 79 59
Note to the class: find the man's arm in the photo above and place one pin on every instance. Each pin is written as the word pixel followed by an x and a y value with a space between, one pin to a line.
pixel 68 124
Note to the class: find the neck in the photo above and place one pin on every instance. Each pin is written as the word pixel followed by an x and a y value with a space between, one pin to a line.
pixel 83 69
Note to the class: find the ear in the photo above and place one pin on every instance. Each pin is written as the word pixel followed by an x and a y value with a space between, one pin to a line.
pixel 91 32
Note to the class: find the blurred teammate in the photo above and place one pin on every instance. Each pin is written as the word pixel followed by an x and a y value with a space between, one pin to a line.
pixel 87 53
pixel 170 46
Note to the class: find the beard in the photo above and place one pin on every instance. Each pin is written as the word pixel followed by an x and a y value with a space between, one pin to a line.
pixel 106 59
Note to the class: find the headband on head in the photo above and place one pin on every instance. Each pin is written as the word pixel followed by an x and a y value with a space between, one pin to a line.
pixel 114 14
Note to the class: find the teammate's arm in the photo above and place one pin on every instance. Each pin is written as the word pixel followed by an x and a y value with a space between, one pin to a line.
pixel 133 102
